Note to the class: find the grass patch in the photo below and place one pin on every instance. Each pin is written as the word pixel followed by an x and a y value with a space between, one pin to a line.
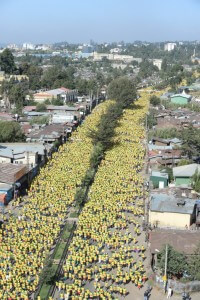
pixel 66 235
pixel 44 291
pixel 49 280
pixel 74 214
pixel 59 250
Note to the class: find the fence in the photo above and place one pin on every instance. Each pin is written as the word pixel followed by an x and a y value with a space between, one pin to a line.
pixel 177 286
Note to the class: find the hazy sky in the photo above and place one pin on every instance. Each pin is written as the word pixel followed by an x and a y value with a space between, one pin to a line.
pixel 50 21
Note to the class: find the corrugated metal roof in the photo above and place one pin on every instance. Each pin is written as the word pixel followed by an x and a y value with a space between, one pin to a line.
pixel 186 171
pixel 24 147
pixel 155 147
pixel 10 173
pixel 182 95
pixel 165 203
pixel 159 174
pixel 5 187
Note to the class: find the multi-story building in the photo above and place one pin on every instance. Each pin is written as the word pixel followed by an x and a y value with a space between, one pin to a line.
pixel 169 46
pixel 28 46
pixel 61 93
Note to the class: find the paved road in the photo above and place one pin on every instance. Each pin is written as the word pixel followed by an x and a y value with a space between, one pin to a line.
pixel 157 295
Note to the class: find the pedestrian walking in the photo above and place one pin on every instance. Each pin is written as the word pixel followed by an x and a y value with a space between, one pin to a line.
pixel 169 293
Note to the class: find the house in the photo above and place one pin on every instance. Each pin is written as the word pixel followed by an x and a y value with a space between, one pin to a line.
pixel 170 157
pixel 156 141
pixel 49 134
pixel 166 96
pixel 183 174
pixel 31 154
pixel 7 191
pixel 160 142
pixel 169 211
pixel 66 95
pixel 10 173
pixel 159 179
pixel 181 98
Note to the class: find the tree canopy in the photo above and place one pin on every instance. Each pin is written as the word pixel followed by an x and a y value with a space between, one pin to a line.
pixel 122 90
pixel 10 132
pixel 194 264
pixel 154 100
pixel 176 262
pixel 7 63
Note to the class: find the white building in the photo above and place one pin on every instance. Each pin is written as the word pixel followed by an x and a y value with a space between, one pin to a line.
pixel 115 57
pixel 157 63
pixel 169 46
pixel 42 47
pixel 61 93
pixel 28 46
pixel 22 153
pixel 115 50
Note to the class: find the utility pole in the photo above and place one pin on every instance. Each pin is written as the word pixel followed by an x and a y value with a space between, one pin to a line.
pixel 28 167
pixel 165 276
pixel 14 174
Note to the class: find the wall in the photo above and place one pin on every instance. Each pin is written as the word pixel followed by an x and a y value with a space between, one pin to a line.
pixel 182 180
pixel 169 219
pixel 156 180
pixel 177 287
pixel 29 159
pixel 4 160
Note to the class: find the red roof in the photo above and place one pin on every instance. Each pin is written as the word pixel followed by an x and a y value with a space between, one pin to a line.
pixel 29 108
pixel 64 89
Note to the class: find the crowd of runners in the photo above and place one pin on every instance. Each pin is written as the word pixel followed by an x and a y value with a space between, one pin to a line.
pixel 105 255
pixel 27 239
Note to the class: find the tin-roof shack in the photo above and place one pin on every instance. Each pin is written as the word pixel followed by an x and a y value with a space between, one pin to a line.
pixel 169 211
pixel 183 174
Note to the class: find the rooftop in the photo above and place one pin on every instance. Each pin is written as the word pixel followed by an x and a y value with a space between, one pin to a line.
pixel 181 240
pixel 159 174
pixel 5 187
pixel 186 171
pixel 63 107
pixel 168 203
pixel 155 147
pixel 23 147
pixel 10 173
pixel 182 95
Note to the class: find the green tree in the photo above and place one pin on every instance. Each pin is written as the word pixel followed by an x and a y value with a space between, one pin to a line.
pixel 169 171
pixel 41 107
pixel 154 100
pixel 147 69
pixel 10 132
pixel 7 62
pixel 194 264
pixel 151 120
pixel 17 95
pixel 184 162
pixel 122 90
pixel 176 262
pixel 40 120
pixel 191 141
pixel 196 181
pixel 164 65
pixel 57 101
